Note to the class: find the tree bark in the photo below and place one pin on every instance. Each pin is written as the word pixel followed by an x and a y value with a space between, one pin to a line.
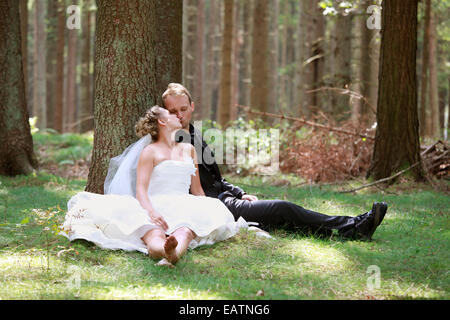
pixel 397 136
pixel 16 143
pixel 125 78
pixel 39 66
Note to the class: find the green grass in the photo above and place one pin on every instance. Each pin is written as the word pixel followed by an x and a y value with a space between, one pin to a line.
pixel 411 249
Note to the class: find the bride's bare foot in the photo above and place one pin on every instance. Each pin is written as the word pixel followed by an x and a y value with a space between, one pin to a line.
pixel 169 247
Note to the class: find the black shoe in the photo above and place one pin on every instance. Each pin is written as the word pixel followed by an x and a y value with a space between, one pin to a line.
pixel 382 208
pixel 374 218
pixel 367 223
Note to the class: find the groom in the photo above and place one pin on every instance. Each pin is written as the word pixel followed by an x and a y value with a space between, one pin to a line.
pixel 268 213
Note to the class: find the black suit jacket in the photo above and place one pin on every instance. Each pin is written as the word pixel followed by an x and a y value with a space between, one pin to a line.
pixel 212 181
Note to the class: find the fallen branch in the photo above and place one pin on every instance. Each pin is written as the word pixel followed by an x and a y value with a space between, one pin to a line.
pixel 310 123
pixel 381 180
pixel 393 176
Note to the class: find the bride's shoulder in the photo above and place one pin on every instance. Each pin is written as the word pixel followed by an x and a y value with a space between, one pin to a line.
pixel 149 152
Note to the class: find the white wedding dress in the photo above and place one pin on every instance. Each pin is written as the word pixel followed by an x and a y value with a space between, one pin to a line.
pixel 117 221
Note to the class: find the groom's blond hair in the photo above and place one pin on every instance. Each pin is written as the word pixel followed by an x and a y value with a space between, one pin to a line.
pixel 176 89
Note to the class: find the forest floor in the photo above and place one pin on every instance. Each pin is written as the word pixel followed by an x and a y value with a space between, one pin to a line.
pixel 407 259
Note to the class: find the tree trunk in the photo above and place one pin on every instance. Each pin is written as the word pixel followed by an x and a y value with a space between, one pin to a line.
pixel 397 136
pixel 225 96
pixel 169 14
pixel 59 85
pixel 342 53
pixel 245 60
pixel 16 143
pixel 24 34
pixel 310 58
pixel 368 61
pixel 70 112
pixel 85 120
pixel 51 31
pixel 433 92
pixel 260 48
pixel 424 75
pixel 39 66
pixel 198 70
pixel 125 78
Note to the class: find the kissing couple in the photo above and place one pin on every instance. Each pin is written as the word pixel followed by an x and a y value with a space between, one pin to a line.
pixel 160 200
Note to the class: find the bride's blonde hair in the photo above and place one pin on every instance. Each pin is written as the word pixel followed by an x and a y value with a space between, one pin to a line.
pixel 148 124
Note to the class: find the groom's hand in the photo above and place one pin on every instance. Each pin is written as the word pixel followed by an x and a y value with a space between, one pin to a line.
pixel 249 197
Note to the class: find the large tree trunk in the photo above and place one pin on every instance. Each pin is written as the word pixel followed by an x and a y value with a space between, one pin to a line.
pixel 169 14
pixel 226 89
pixel 39 66
pixel 125 78
pixel 397 136
pixel 59 85
pixel 16 143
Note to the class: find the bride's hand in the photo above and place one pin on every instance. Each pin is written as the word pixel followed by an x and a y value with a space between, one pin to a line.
pixel 159 220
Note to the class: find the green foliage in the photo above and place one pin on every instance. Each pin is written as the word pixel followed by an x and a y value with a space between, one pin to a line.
pixel 64 148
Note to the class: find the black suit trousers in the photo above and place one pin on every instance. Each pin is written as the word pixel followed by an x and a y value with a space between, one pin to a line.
pixel 270 214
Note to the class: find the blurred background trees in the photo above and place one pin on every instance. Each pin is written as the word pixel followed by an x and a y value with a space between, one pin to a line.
pixel 283 56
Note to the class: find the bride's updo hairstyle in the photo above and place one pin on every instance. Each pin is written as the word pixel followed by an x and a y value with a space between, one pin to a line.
pixel 148 124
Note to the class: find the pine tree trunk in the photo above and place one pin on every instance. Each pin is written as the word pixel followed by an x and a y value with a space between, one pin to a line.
pixel 51 31
pixel 368 62
pixel 342 53
pixel 397 136
pixel 70 112
pixel 169 14
pixel 310 59
pixel 225 96
pixel 198 69
pixel 125 78
pixel 24 34
pixel 434 98
pixel 209 74
pixel 260 48
pixel 59 85
pixel 246 53
pixel 424 75
pixel 16 143
pixel 39 66
pixel 85 121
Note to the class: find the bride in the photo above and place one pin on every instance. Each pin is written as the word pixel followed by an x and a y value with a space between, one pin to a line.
pixel 147 205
